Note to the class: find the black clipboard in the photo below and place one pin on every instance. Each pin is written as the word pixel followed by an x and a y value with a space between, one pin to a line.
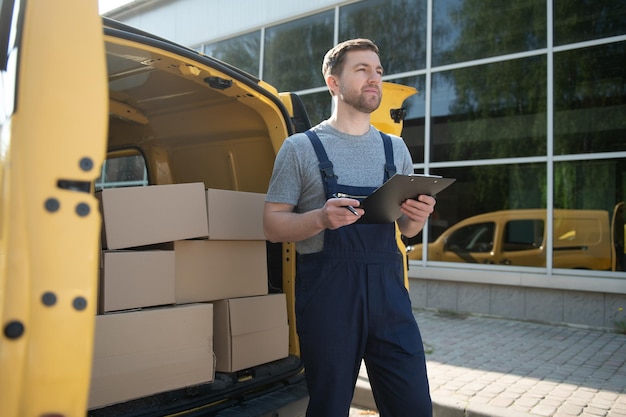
pixel 383 205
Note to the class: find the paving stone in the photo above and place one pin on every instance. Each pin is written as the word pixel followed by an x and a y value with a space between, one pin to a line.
pixel 490 367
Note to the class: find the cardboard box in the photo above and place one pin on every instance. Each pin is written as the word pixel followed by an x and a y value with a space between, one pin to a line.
pixel 235 215
pixel 250 331
pixel 208 270
pixel 136 216
pixel 141 353
pixel 135 279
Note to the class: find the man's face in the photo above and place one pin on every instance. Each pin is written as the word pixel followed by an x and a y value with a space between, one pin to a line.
pixel 360 83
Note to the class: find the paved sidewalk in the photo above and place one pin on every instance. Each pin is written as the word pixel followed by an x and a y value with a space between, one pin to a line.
pixel 489 367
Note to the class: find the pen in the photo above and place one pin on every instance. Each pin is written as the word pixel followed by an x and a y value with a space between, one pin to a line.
pixel 352 210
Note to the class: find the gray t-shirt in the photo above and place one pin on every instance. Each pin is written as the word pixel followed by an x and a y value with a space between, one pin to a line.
pixel 357 161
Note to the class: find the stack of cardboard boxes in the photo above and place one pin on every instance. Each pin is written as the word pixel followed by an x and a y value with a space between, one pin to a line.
pixel 183 290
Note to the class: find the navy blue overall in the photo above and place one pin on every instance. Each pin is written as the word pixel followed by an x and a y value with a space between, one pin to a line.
pixel 351 304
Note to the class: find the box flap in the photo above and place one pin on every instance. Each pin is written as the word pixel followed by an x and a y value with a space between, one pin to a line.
pixel 214 270
pixel 259 347
pixel 133 279
pixel 136 216
pixel 255 314
pixel 145 352
pixel 235 215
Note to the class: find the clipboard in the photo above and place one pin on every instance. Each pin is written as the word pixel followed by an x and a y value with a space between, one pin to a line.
pixel 383 205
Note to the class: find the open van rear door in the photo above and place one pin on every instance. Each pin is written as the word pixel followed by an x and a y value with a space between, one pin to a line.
pixel 53 127
pixel 389 118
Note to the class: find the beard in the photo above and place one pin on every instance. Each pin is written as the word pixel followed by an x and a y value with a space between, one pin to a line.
pixel 363 102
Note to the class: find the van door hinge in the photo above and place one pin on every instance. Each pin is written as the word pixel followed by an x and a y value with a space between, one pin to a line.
pixel 218 83
pixel 398 115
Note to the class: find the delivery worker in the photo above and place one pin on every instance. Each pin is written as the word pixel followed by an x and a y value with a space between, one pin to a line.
pixel 351 301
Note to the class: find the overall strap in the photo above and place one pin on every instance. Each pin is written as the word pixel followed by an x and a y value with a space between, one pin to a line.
pixel 390 167
pixel 326 167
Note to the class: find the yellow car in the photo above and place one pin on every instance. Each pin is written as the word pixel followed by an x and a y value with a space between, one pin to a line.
pixel 582 239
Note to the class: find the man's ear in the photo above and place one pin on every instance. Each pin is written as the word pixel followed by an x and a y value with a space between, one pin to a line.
pixel 333 83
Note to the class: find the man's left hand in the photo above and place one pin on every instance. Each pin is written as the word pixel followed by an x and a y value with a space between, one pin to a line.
pixel 418 210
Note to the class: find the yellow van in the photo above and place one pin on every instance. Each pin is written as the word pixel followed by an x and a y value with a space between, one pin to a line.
pixel 91 105
pixel 583 239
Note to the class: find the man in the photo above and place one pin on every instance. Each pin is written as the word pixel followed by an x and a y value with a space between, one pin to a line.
pixel 351 302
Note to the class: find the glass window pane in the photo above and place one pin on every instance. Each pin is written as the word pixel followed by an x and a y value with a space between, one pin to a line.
pixel 465 30
pixel 590 100
pixel 588 227
pixel 490 111
pixel 589 184
pixel 318 106
pixel 398 27
pixel 483 189
pixel 476 210
pixel 294 52
pixel 582 20
pixel 242 51
pixel 123 171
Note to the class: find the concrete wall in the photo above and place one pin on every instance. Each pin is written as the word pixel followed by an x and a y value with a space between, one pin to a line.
pixel 585 308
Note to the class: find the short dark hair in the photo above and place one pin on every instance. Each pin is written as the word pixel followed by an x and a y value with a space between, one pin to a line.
pixel 334 58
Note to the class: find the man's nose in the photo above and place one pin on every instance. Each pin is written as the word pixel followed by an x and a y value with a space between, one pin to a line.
pixel 374 77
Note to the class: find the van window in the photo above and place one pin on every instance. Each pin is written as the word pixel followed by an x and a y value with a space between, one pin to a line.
pixel 523 235
pixel 123 171
pixel 472 238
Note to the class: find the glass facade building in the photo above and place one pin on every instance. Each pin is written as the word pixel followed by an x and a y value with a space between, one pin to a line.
pixel 523 102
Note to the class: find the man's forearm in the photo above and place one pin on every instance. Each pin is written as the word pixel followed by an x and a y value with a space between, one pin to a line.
pixel 284 226
pixel 408 227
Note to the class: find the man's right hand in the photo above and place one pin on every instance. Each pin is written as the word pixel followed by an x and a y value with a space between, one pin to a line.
pixel 337 212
